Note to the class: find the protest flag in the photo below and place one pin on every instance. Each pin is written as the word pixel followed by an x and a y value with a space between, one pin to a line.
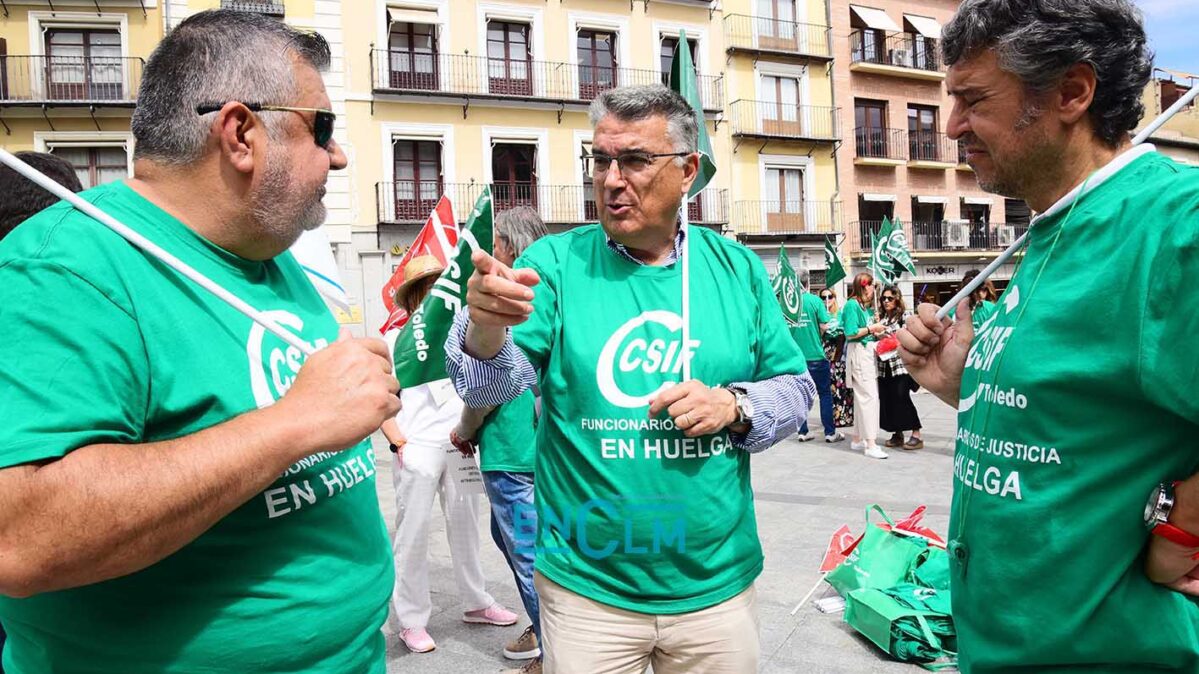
pixel 880 264
pixel 786 288
pixel 834 270
pixel 420 347
pixel 437 238
pixel 684 81
pixel 315 255
pixel 896 248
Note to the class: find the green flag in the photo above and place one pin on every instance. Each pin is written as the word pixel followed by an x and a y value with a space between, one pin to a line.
pixel 786 288
pixel 834 270
pixel 880 263
pixel 896 248
pixel 420 347
pixel 683 81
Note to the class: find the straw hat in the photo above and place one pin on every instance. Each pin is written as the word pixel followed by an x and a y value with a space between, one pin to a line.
pixel 419 267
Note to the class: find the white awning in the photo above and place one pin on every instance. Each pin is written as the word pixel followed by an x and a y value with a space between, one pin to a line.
pixel 978 201
pixel 925 26
pixel 878 197
pixel 404 15
pixel 874 18
pixel 932 200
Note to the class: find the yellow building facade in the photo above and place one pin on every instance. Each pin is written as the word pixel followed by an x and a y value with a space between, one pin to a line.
pixel 447 96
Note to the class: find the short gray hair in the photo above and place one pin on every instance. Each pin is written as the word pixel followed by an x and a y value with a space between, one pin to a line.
pixel 519 228
pixel 804 276
pixel 211 58
pixel 635 103
pixel 1039 40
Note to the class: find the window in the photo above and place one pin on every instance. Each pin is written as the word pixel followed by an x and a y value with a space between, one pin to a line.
pixel 780 106
pixel 3 71
pixel 513 175
pixel 412 55
pixel 776 24
pixel 418 179
pixel 95 165
pixel 1018 212
pixel 871 214
pixel 84 65
pixel 927 224
pixel 509 58
pixel 785 199
pixel 923 141
pixel 978 215
pixel 597 62
pixel 666 55
pixel 870 128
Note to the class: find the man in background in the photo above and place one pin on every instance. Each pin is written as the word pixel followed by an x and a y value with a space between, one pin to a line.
pixel 23 197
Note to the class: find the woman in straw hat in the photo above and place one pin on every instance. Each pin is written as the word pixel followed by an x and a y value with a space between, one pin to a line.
pixel 420 438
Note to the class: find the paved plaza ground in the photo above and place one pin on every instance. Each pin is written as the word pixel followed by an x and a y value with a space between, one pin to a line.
pixel 803 492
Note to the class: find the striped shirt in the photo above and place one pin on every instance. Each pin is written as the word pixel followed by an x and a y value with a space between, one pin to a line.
pixel 780 404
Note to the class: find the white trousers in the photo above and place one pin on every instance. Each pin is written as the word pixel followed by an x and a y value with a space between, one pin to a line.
pixel 422 476
pixel 861 374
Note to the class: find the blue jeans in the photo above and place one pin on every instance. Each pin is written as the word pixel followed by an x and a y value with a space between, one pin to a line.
pixel 512 494
pixel 822 374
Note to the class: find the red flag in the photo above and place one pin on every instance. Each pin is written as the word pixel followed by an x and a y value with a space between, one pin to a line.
pixel 439 237
pixel 910 526
pixel 838 548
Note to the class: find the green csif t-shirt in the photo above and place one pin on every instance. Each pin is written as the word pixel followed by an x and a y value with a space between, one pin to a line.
pixel 812 313
pixel 507 438
pixel 632 513
pixel 1064 431
pixel 104 344
pixel 979 315
pixel 853 319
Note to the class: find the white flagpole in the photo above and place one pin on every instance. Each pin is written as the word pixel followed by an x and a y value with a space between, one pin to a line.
pixel 684 227
pixel 150 247
pixel 1006 255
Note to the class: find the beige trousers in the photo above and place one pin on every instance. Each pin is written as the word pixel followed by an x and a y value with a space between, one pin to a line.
pixel 861 374
pixel 582 636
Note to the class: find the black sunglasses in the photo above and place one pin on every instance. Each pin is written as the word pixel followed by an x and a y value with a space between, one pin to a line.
pixel 322 125
pixel 888 298
pixel 825 296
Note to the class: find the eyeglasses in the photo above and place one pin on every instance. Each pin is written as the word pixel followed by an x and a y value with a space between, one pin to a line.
pixel 322 125
pixel 825 296
pixel 629 164
pixel 888 298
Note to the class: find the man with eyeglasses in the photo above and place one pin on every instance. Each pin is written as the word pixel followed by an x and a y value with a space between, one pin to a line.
pixel 647 549
pixel 179 491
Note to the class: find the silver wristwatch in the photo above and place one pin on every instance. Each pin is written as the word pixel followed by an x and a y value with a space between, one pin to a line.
pixel 745 408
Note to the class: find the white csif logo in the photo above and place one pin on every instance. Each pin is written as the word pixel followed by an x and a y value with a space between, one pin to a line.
pixel 272 373
pixel 988 343
pixel 649 356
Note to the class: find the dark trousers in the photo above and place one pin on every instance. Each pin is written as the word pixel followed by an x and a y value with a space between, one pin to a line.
pixel 822 374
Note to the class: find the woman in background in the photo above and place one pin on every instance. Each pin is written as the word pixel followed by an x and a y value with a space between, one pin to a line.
pixel 834 350
pixel 896 412
pixel 861 334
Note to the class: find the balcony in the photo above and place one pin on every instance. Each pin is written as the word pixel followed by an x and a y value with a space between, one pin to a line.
pixel 759 218
pixel 880 147
pixel 901 54
pixel 757 35
pixel 962 165
pixel 407 202
pixel 960 235
pixel 268 7
pixel 767 119
pixel 931 150
pixel 459 75
pixel 69 80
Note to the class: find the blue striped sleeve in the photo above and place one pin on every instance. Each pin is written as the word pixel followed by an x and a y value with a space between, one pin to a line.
pixel 486 383
pixel 780 405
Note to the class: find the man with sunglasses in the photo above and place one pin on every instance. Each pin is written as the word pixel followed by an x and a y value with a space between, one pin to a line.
pixel 653 473
pixel 180 491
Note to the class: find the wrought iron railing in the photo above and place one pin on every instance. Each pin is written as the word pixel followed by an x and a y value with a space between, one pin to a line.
pixel 964 235
pixel 268 7
pixel 763 34
pixel 904 50
pixel 931 146
pixel 410 202
pixel 785 120
pixel 460 74
pixel 787 217
pixel 878 143
pixel 70 79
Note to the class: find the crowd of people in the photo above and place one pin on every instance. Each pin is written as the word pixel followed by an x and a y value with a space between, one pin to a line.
pixel 181 491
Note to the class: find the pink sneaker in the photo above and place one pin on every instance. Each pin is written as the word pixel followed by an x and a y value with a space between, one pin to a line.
pixel 492 615
pixel 417 640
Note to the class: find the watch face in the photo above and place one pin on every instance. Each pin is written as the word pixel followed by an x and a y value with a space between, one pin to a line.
pixel 1151 507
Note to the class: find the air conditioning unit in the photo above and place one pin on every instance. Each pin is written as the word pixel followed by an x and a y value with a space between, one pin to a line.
pixel 1005 235
pixel 957 233
pixel 901 57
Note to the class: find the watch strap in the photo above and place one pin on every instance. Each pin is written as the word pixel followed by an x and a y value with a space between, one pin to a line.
pixel 1175 535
